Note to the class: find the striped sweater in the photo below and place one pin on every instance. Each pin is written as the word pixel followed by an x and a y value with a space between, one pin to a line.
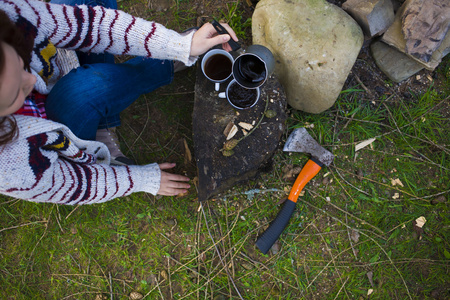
pixel 90 29
pixel 48 163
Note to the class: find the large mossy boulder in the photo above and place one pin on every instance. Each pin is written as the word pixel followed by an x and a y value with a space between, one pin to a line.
pixel 315 45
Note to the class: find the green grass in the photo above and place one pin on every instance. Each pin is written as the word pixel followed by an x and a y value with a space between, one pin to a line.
pixel 352 230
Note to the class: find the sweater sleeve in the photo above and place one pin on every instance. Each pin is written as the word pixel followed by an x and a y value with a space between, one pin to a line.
pixel 48 163
pixel 97 29
pixel 40 175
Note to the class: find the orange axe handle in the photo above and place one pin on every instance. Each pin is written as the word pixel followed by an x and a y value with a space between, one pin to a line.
pixel 306 174
pixel 269 237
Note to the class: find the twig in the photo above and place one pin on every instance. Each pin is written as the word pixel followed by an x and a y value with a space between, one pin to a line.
pixel 363 233
pixel 76 207
pixel 388 186
pixel 58 217
pixel 168 276
pixel 22 225
pixel 347 213
pixel 218 253
pixel 349 237
pixel 110 287
pixel 91 275
pixel 341 288
pixel 80 293
pixel 362 84
pixel 331 254
pixel 167 238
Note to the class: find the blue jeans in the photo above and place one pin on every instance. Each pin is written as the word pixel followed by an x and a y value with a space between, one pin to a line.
pixel 92 96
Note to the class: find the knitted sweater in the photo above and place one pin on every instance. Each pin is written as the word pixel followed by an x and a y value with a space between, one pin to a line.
pixel 90 29
pixel 47 162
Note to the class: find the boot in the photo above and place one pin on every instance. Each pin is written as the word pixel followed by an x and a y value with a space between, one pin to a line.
pixel 108 137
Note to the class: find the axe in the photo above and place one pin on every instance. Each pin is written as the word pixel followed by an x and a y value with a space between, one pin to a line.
pixel 298 141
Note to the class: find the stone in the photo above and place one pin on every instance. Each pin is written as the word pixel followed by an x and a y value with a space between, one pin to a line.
pixel 374 16
pixel 315 45
pixel 424 26
pixel 394 63
pixel 218 173
pixel 395 38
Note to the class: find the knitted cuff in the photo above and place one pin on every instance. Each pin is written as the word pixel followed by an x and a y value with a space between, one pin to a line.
pixel 146 178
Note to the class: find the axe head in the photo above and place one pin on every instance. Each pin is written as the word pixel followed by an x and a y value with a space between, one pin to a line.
pixel 301 141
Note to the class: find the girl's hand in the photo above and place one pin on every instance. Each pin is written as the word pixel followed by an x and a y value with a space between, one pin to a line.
pixel 207 37
pixel 172 184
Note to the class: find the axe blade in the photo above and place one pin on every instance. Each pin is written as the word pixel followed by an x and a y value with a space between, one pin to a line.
pixel 301 141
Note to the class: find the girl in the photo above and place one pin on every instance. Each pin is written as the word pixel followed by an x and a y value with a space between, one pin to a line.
pixel 51 110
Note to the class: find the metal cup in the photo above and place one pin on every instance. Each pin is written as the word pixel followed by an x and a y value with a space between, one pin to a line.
pixel 252 68
pixel 217 66
pixel 240 97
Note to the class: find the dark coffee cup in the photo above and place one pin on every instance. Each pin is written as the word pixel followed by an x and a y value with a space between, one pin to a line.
pixel 217 66
pixel 240 97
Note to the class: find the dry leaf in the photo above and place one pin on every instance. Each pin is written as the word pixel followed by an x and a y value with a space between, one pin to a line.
pixel 227 129
pixel 188 154
pixel 275 247
pixel 420 221
pixel 181 195
pixel 290 172
pixel 417 226
pixel 164 275
pixel 281 201
pixel 136 296
pixel 246 125
pixel 369 292
pixel 396 196
pixel 233 131
pixel 364 144
pixel 370 277
pixel 396 181
pixel 354 236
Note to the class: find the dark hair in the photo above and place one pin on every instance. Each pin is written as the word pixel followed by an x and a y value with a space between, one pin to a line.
pixel 12 35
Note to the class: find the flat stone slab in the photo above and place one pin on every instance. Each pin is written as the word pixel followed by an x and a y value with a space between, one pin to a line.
pixel 216 172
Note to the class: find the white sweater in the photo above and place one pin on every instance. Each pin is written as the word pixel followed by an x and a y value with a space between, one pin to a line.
pixel 90 29
pixel 47 164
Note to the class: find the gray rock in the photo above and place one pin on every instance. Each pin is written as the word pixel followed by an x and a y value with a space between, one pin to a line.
pixel 374 16
pixel 315 44
pixel 424 26
pixel 395 64
pixel 395 38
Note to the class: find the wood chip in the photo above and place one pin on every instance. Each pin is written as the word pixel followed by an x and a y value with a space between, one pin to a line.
pixel 396 181
pixel 227 129
pixel 246 126
pixel 233 131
